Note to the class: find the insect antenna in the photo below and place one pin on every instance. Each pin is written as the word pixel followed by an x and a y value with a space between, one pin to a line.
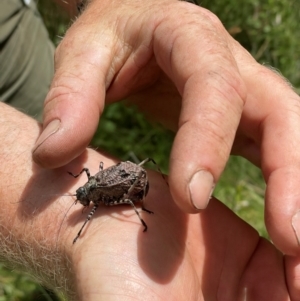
pixel 65 215
pixel 23 200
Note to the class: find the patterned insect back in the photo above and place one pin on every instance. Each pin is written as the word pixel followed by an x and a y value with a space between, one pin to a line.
pixel 123 183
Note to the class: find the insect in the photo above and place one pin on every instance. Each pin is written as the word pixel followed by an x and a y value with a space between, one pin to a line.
pixel 123 183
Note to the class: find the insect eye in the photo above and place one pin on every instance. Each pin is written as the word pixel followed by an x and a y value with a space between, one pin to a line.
pixel 81 195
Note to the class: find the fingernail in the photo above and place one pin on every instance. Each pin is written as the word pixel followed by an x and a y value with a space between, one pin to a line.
pixel 50 129
pixel 296 226
pixel 245 294
pixel 201 188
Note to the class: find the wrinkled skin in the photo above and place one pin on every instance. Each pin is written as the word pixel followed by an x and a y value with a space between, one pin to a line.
pixel 178 63
pixel 211 256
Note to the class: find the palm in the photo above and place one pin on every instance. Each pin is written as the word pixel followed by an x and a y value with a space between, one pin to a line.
pixel 209 256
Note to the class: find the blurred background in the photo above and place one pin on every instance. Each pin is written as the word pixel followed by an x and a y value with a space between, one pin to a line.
pixel 270 31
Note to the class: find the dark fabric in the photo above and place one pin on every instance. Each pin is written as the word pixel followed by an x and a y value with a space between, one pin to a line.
pixel 26 57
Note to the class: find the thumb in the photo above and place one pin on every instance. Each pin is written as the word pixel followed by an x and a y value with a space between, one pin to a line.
pixel 76 97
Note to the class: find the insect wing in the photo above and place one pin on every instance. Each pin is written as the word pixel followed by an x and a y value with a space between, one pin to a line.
pixel 115 181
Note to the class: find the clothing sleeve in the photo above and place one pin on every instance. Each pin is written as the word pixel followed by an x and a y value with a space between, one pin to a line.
pixel 26 57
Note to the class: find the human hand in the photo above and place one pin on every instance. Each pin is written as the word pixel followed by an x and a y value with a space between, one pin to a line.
pixel 210 256
pixel 219 97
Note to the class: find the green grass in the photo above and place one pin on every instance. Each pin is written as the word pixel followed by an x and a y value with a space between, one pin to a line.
pixel 242 189
pixel 125 133
pixel 16 286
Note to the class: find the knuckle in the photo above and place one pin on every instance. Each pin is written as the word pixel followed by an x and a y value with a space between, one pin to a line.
pixel 217 135
pixel 211 18
pixel 230 87
pixel 66 87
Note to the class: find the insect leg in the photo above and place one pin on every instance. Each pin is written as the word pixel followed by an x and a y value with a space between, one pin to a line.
pixel 101 166
pixel 127 194
pixel 87 219
pixel 144 195
pixel 83 170
pixel 127 201
pixel 144 209
pixel 157 167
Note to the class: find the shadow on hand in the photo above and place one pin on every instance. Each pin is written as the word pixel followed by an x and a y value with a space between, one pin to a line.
pixel 160 250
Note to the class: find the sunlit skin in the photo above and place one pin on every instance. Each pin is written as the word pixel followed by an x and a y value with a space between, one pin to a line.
pixel 190 74
pixel 213 255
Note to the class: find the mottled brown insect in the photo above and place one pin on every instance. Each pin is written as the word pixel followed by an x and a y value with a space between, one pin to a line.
pixel 123 183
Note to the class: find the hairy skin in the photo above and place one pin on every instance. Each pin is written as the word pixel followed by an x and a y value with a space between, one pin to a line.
pixel 28 205
pixel 191 75
pixel 210 256
pixel 219 98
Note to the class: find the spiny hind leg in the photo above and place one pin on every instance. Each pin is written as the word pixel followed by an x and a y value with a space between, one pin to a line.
pixel 127 201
